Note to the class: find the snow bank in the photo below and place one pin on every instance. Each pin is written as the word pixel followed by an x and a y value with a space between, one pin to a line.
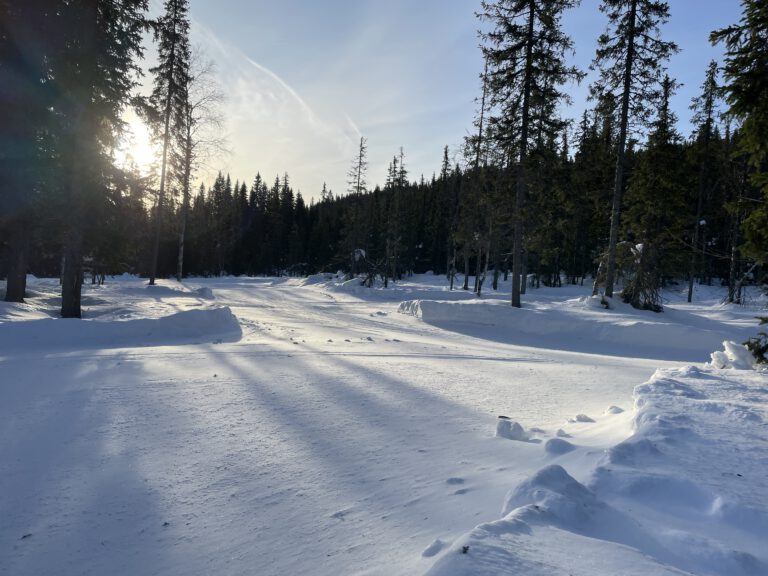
pixel 580 325
pixel 687 493
pixel 218 324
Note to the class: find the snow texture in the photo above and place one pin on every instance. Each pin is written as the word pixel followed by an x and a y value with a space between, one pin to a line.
pixel 280 426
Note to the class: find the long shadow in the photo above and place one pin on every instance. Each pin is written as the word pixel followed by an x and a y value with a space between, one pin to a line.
pixel 71 493
pixel 586 343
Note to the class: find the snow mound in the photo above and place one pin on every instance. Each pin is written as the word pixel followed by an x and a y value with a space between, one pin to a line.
pixel 733 356
pixel 316 279
pixel 510 430
pixel 433 548
pixel 558 446
pixel 205 293
pixel 217 324
pixel 581 418
pixel 685 494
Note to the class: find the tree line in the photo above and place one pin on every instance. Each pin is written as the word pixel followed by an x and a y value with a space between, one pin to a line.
pixel 618 196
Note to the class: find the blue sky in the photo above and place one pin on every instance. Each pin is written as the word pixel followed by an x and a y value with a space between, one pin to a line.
pixel 305 78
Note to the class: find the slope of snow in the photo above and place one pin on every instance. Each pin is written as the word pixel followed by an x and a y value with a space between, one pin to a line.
pixel 687 493
pixel 280 426
pixel 583 325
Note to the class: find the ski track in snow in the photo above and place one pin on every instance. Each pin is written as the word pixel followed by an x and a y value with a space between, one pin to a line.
pixel 332 435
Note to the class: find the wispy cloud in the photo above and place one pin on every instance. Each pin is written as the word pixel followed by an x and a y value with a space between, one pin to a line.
pixel 273 128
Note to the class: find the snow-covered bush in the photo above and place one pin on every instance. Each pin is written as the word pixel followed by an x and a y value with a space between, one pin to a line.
pixel 758 345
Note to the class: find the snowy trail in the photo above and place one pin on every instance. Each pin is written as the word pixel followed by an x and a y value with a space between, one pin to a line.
pixel 335 437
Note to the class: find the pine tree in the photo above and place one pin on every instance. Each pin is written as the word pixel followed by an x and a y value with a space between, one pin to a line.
pixel 704 107
pixel 656 205
pixel 630 57
pixel 94 71
pixel 525 53
pixel 25 43
pixel 169 96
pixel 746 85
pixel 357 173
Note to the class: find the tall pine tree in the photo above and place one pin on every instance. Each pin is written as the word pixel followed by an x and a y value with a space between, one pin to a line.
pixel 168 99
pixel 525 50
pixel 630 58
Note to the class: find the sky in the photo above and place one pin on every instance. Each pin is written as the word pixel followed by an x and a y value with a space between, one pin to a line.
pixel 305 79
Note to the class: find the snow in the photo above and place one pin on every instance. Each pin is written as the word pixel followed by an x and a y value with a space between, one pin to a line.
pixel 687 490
pixel 291 426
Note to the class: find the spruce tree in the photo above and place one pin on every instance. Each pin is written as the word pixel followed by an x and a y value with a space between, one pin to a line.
pixel 704 107
pixel 171 80
pixel 525 50
pixel 25 45
pixel 746 86
pixel 630 58
pixel 656 209
pixel 94 70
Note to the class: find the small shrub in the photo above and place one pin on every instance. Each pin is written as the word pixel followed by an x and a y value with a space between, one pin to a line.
pixel 758 345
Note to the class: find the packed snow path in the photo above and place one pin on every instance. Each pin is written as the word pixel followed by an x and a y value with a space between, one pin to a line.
pixel 335 436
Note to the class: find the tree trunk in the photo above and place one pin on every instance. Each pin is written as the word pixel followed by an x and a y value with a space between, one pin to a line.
pixel 185 203
pixel 610 274
pixel 164 165
pixel 466 271
pixel 72 274
pixel 520 188
pixel 16 283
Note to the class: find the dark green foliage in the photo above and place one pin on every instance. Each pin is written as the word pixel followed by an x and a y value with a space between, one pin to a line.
pixel 525 70
pixel 656 208
pixel 527 183
pixel 758 345
pixel 630 57
pixel 746 93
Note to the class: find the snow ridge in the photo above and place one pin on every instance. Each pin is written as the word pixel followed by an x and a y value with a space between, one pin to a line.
pixel 685 494
pixel 215 324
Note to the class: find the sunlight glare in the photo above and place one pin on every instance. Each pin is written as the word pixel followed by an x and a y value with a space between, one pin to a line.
pixel 136 147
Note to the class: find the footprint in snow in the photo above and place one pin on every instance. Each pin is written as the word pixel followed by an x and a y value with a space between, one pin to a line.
pixel 454 480
pixel 461 491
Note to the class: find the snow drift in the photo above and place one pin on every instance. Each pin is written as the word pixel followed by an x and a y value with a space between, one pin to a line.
pixel 580 325
pixel 217 324
pixel 685 494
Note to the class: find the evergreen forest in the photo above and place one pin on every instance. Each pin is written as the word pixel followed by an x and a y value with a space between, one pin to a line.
pixel 618 197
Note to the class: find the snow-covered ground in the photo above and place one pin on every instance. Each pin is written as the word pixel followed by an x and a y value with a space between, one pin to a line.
pixel 275 426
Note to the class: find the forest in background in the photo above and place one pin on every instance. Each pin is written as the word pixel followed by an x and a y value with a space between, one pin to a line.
pixel 619 196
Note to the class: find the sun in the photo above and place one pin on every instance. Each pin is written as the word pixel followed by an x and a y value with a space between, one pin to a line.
pixel 136 147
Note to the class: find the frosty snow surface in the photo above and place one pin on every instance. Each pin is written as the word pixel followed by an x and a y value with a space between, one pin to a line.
pixel 313 426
